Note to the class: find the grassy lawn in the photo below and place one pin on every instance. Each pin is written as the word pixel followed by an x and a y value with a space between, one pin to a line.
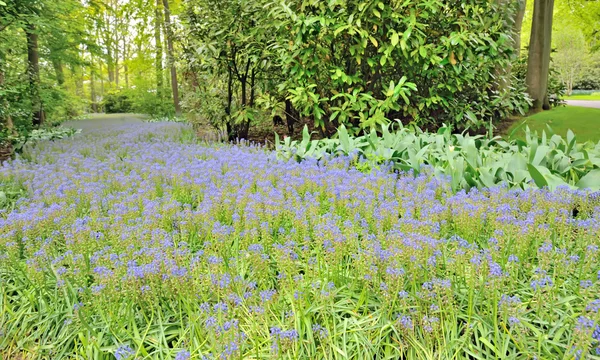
pixel 584 122
pixel 594 96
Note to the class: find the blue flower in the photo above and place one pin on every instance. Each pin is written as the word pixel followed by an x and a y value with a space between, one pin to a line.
pixel 182 355
pixel 124 352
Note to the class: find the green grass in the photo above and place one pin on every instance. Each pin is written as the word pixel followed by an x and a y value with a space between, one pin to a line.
pixel 594 96
pixel 584 122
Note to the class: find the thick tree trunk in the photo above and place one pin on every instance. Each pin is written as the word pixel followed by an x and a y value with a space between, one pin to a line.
pixel 539 53
pixel 159 50
pixel 33 72
pixel 171 58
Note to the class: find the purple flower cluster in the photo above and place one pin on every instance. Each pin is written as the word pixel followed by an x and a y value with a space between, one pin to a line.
pixel 243 246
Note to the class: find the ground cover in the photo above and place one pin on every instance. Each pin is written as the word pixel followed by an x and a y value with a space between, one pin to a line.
pixel 138 242
pixel 584 122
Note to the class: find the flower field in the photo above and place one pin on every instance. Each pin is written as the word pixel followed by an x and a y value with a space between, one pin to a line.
pixel 141 243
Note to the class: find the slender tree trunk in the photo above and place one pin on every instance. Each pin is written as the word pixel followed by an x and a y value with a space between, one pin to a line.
pixel 548 50
pixel 101 85
pixel 159 50
pixel 230 128
pixel 518 25
pixel 171 58
pixel 93 87
pixel 125 62
pixel 110 65
pixel 33 71
pixel 75 71
pixel 539 53
pixel 117 62
pixel 59 72
pixel 291 115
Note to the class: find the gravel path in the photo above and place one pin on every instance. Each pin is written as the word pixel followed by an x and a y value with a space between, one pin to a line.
pixel 585 103
pixel 99 121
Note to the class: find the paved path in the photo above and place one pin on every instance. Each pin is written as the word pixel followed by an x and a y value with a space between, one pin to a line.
pixel 99 121
pixel 585 103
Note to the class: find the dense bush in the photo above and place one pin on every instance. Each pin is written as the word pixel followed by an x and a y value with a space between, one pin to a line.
pixel 132 243
pixel 588 80
pixel 427 62
pixel 359 63
pixel 542 160
pixel 116 101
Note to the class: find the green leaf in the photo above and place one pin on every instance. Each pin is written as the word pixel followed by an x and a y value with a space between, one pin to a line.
pixel 537 176
pixel 591 180
pixel 344 139
pixel 395 38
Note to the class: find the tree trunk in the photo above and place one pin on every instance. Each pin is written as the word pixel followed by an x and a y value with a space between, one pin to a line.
pixel 171 58
pixel 75 71
pixel 159 50
pixel 539 53
pixel 230 129
pixel 93 86
pixel 33 72
pixel 117 62
pixel 59 72
pixel 101 80
pixel 291 115
pixel 125 66
pixel 110 65
pixel 518 25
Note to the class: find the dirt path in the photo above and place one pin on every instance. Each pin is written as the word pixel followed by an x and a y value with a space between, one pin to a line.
pixel 585 103
pixel 99 121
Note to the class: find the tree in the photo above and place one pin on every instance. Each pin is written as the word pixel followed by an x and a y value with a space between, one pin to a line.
pixel 170 57
pixel 158 44
pixel 571 56
pixel 538 65
pixel 518 25
pixel 33 71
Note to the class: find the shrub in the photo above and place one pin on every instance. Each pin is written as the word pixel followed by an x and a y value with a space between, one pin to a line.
pixel 116 101
pixel 361 63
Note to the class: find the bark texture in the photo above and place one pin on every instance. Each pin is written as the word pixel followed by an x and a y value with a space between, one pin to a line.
pixel 538 63
pixel 158 66
pixel 171 58
pixel 33 72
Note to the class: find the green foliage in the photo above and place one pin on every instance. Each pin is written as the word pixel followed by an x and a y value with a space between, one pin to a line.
pixel 542 160
pixel 556 88
pixel 588 80
pixel 25 137
pixel 10 192
pixel 362 63
pixel 116 102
